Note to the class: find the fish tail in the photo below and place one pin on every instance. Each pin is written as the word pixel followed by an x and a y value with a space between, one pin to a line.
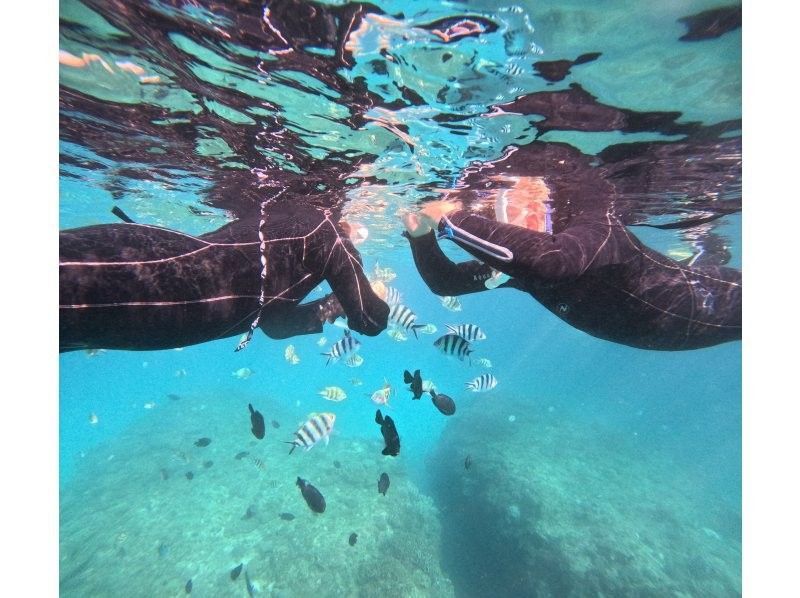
pixel 416 327
pixel 293 443
pixel 407 377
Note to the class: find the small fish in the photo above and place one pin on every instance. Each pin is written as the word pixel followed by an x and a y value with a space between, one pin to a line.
pixel 381 397
pixel 180 373
pixel 93 419
pixel 403 317
pixel 383 274
pixel 451 303
pixel 243 373
pixel 236 571
pixel 356 381
pixel 354 361
pixel 249 585
pixel 189 475
pixel 294 360
pixel 286 516
pixel 352 539
pixel 313 497
pixel 484 362
pixel 188 587
pixel 337 464
pixel 482 383
pixel 149 405
pixel 241 455
pixel 318 427
pixel 469 332
pixel 163 550
pixel 207 464
pixel 275 424
pixel 467 462
pixel 173 397
pixel 452 344
pixel 348 345
pixel 428 385
pixel 415 381
pixel 443 403
pixel 429 329
pixel 291 356
pixel 250 512
pixel 258 463
pixel 256 422
pixel 322 341
pixel 383 483
pixel 333 393
pixel 393 296
pixel 201 442
pixel 397 334
pixel 390 436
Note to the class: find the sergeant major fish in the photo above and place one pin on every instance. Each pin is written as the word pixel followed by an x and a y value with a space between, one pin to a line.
pixel 348 345
pixel 482 383
pixel 404 318
pixel 452 344
pixel 333 393
pixel 451 303
pixel 469 332
pixel 318 427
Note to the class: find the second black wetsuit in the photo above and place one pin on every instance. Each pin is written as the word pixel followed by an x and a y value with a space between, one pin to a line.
pixel 596 276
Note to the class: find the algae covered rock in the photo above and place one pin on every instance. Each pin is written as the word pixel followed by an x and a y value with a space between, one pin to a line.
pixel 551 507
pixel 133 524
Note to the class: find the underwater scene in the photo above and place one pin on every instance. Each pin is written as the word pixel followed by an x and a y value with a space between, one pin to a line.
pixel 419 298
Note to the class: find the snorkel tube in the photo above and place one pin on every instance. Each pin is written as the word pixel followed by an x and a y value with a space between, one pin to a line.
pixel 448 230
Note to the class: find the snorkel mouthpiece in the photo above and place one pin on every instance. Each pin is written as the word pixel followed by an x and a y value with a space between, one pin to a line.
pixel 448 230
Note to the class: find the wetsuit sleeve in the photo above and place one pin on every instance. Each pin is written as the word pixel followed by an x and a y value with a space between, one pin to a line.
pixel 442 275
pixel 365 311
pixel 306 318
pixel 531 255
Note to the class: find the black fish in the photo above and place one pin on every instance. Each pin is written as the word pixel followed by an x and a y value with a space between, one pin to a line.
pixel 352 539
pixel 314 498
pixel 257 422
pixel 236 571
pixel 163 550
pixel 468 462
pixel 287 516
pixel 415 381
pixel 202 442
pixel 249 513
pixel 189 475
pixel 275 424
pixel 188 587
pixel 241 455
pixel 173 397
pixel 390 435
pixel 337 464
pixel 208 464
pixel 250 589
pixel 383 483
pixel 443 403
pixel 557 70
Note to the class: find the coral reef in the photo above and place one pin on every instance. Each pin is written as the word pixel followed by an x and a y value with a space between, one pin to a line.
pixel 552 507
pixel 134 524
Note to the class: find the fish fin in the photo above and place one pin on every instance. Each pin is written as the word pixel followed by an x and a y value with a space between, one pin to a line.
pixel 294 446
pixel 415 327
pixel 327 439
pixel 407 377
pixel 378 417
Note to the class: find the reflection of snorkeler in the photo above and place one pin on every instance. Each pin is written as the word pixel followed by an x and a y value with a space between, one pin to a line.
pixel 593 274
pixel 140 287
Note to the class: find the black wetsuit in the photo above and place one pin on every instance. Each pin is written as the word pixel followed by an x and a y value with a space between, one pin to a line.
pixel 141 287
pixel 596 276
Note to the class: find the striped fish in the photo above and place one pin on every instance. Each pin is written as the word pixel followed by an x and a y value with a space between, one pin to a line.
pixel 452 344
pixel 318 427
pixel 258 463
pixel 393 296
pixel 469 332
pixel 397 334
pixel 333 393
pixel 347 346
pixel 484 362
pixel 354 361
pixel 451 303
pixel 404 318
pixel 482 383
pixel 429 329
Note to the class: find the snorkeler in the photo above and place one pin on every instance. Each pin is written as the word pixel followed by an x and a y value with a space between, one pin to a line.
pixel 141 287
pixel 594 275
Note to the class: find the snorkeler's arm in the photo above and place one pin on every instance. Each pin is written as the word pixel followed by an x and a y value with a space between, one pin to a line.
pixel 443 276
pixel 365 311
pixel 526 254
pixel 305 318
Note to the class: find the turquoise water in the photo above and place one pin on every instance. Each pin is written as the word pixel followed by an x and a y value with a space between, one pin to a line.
pixel 596 468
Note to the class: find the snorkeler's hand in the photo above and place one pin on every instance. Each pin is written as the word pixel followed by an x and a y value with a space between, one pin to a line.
pixel 416 226
pixel 435 210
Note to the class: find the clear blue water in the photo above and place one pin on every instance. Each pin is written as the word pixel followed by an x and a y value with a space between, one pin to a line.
pixel 674 417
